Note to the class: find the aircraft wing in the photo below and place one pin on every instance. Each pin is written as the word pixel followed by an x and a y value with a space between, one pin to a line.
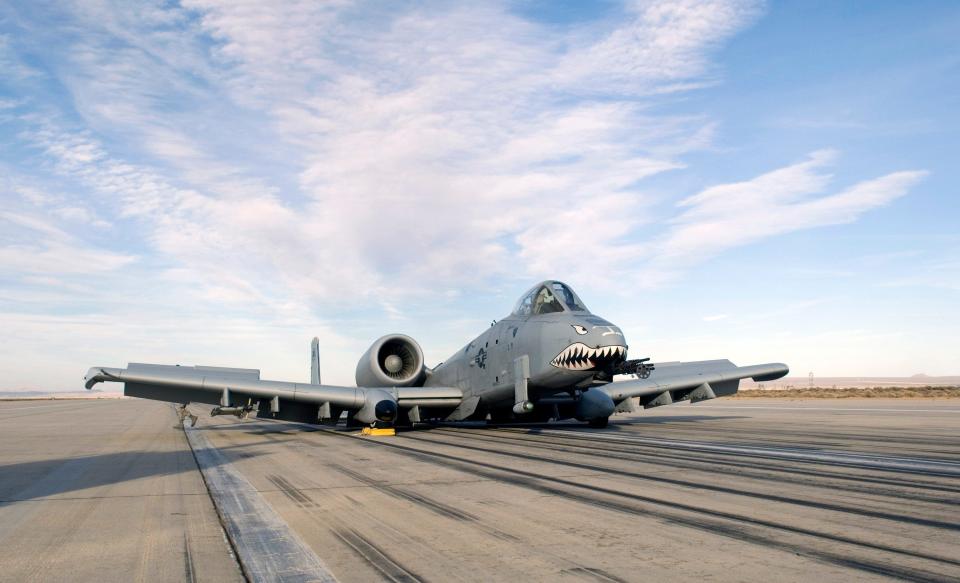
pixel 671 382
pixel 236 389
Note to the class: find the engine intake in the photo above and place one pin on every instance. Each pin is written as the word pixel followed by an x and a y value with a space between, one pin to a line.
pixel 394 360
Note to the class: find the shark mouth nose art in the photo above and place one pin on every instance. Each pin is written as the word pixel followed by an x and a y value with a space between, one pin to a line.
pixel 579 356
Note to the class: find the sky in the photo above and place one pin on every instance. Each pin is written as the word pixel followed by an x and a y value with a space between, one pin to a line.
pixel 217 181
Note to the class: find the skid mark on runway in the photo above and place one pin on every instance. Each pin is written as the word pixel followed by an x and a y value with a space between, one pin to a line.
pixel 376 557
pixel 189 574
pixel 943 446
pixel 725 466
pixel 592 574
pixel 712 487
pixel 299 498
pixel 651 530
pixel 744 528
pixel 923 466
pixel 347 530
pixel 434 506
pixel 840 409
pixel 402 491
pixel 266 546
pixel 614 440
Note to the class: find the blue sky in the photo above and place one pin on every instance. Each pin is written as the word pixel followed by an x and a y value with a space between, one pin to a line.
pixel 214 182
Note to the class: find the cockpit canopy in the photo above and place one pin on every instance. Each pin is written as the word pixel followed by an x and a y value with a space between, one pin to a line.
pixel 549 297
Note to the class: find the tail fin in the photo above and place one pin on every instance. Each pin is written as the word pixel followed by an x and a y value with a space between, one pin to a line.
pixel 315 361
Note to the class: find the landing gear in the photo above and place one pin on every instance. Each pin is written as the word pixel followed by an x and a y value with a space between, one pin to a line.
pixel 599 423
pixel 184 414
pixel 238 412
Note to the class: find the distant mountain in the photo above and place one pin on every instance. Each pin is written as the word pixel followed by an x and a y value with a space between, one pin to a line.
pixel 858 382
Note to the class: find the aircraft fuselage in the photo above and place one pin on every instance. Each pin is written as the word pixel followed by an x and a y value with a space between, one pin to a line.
pixel 549 359
pixel 567 352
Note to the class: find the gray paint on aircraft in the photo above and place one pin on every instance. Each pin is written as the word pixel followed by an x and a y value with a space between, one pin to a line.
pixel 572 356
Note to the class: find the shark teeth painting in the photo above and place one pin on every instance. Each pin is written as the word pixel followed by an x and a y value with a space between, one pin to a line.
pixel 579 357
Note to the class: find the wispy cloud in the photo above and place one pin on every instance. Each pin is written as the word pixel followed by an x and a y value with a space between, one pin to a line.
pixel 417 156
pixel 286 160
pixel 943 274
pixel 47 250
pixel 781 201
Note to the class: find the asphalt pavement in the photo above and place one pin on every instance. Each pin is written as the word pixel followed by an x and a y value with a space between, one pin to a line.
pixel 729 490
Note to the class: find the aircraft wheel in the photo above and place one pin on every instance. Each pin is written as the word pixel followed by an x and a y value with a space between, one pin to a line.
pixel 599 423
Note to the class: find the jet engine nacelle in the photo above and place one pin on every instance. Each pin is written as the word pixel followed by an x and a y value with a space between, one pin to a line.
pixel 380 408
pixel 394 360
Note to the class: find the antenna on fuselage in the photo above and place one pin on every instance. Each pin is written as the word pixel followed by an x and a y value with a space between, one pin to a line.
pixel 315 361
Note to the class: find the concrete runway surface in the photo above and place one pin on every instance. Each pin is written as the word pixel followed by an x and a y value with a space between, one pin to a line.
pixel 729 490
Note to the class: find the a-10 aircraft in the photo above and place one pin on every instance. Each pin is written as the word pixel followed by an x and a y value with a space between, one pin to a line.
pixel 549 359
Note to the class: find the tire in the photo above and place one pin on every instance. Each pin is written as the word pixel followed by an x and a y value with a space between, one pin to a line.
pixel 599 423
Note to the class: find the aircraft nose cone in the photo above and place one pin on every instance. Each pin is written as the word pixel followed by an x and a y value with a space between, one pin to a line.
pixel 594 345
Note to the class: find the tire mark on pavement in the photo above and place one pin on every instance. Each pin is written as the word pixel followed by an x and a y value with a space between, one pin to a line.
pixel 717 523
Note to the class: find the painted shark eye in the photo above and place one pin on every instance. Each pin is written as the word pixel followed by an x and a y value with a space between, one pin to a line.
pixel 580 329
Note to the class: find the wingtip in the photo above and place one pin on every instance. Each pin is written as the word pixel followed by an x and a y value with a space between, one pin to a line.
pixel 92 377
pixel 772 372
pixel 98 374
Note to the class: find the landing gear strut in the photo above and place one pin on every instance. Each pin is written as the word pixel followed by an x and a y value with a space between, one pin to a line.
pixel 238 412
pixel 183 414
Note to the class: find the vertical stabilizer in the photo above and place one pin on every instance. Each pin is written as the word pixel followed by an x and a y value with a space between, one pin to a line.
pixel 315 361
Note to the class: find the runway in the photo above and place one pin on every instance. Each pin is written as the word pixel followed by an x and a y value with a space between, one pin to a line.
pixel 104 491
pixel 726 490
